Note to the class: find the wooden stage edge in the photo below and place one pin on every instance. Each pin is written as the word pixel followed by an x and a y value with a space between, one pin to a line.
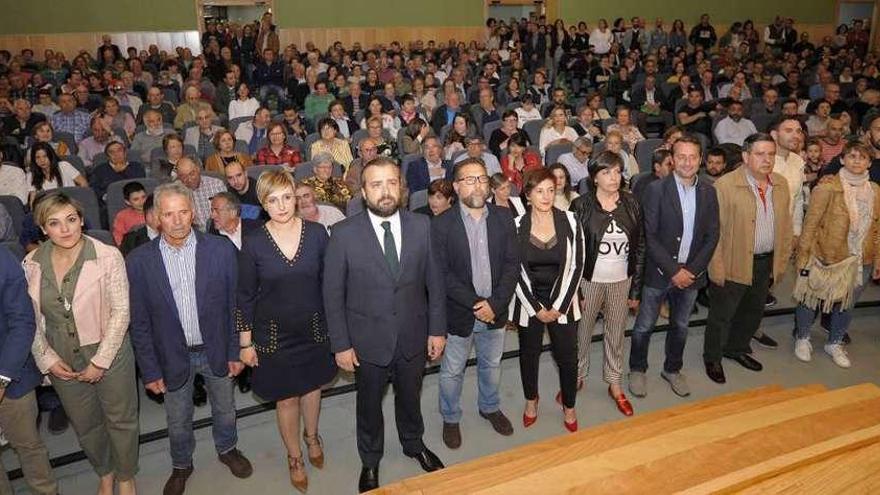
pixel 801 440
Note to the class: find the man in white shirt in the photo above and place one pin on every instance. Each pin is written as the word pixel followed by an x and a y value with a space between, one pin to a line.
pixel 734 128
pixel 475 150
pixel 577 161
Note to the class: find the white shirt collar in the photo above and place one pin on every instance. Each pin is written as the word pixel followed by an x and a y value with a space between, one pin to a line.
pixel 396 231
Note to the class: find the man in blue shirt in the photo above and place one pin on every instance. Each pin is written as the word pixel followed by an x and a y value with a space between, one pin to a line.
pixel 681 227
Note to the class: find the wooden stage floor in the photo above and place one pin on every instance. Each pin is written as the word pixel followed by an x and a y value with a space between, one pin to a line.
pixel 768 440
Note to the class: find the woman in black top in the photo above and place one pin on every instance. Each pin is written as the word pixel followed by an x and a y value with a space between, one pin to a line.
pixel 499 138
pixel 552 256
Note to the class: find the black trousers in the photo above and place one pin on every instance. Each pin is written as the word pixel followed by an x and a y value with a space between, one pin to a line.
pixel 371 382
pixel 563 346
pixel 735 312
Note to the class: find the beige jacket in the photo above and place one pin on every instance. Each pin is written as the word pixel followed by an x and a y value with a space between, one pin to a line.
pixel 100 306
pixel 826 227
pixel 737 211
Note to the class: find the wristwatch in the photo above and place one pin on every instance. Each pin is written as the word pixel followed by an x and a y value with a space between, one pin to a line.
pixel 4 382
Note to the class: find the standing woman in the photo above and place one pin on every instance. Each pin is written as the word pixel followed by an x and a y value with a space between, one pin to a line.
pixel 612 223
pixel 79 290
pixel 280 317
pixel 552 250
pixel 838 251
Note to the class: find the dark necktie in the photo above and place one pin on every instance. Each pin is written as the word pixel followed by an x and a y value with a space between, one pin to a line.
pixel 390 249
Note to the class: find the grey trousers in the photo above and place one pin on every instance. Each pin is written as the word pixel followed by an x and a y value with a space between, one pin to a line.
pixel 18 419
pixel 104 415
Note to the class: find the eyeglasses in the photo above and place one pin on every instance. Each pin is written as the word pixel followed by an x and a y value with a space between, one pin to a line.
pixel 471 180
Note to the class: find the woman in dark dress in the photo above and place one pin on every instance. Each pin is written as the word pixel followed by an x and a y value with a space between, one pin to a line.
pixel 280 316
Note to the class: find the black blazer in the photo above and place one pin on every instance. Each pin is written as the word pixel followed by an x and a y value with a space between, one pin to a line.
pixel 640 96
pixel 663 230
pixel 370 310
pixel 454 257
pixel 595 220
pixel 348 104
pixel 156 332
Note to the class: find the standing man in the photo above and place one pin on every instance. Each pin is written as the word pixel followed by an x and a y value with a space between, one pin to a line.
pixel 384 296
pixel 19 377
pixel 476 247
pixel 681 229
pixel 182 295
pixel 753 249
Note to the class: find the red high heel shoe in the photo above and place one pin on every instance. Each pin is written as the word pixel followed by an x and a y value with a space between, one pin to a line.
pixel 571 427
pixel 623 404
pixel 530 420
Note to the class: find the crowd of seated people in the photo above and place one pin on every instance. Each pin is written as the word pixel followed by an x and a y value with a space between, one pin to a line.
pixel 622 100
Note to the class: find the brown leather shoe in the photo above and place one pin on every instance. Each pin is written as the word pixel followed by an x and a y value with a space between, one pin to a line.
pixel 451 435
pixel 499 421
pixel 237 463
pixel 315 442
pixel 176 483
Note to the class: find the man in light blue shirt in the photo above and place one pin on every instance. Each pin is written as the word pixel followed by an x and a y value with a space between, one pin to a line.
pixel 681 229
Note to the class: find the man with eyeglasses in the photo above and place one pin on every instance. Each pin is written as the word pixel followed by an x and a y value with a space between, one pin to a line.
pixel 476 247
pixel 577 161
pixel 475 150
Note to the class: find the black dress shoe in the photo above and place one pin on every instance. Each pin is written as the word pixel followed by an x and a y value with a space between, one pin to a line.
pixel 747 362
pixel 58 421
pixel 244 380
pixel 715 372
pixel 428 460
pixel 764 340
pixel 369 479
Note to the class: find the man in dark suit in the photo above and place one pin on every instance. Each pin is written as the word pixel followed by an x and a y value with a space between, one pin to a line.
pixel 226 219
pixel 385 297
pixel 682 228
pixel 20 124
pixel 445 114
pixel 19 377
pixel 476 247
pixel 419 174
pixel 650 102
pixel 355 101
pixel 182 289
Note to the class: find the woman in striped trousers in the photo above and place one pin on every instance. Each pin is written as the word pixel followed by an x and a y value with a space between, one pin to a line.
pixel 615 251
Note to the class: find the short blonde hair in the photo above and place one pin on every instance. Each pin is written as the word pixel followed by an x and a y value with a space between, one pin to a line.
pixel 271 181
pixel 49 204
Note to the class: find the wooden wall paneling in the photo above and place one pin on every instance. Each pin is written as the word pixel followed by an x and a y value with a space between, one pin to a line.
pixel 71 43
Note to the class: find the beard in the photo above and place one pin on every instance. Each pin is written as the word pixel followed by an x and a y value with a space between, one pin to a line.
pixel 383 210
pixel 474 200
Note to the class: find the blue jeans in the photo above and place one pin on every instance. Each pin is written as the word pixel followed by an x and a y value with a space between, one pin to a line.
pixel 490 345
pixel 681 302
pixel 840 320
pixel 179 411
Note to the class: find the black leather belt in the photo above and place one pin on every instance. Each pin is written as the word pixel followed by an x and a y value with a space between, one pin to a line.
pixel 763 255
pixel 196 348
